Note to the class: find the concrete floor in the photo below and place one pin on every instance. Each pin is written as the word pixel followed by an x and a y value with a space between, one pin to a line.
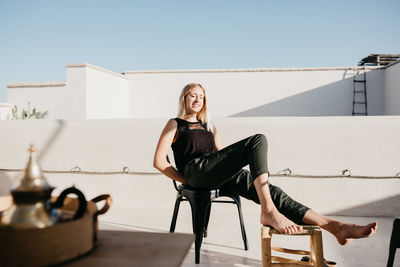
pixel 224 245
pixel 229 252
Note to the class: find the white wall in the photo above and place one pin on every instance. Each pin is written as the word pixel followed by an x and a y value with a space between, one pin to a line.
pixel 265 92
pixel 63 100
pixel 309 146
pixel 375 92
pixel 5 111
pixel 107 95
pixel 76 91
pixel 392 92
pixel 56 99
pixel 94 93
pixel 90 92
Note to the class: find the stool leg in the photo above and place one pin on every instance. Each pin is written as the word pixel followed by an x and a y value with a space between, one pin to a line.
pixel 175 214
pixel 266 246
pixel 316 249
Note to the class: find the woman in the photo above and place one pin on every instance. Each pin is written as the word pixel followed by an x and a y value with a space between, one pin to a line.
pixel 203 162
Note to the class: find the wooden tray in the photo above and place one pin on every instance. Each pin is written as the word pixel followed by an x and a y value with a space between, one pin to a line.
pixel 51 245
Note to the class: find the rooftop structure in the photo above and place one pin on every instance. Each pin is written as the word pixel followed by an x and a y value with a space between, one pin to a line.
pixel 342 166
pixel 379 59
pixel 90 92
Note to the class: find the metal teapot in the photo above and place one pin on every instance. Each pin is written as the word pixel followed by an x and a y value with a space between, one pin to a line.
pixel 32 206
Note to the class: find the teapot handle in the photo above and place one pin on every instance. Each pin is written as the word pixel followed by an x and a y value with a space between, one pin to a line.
pixel 81 198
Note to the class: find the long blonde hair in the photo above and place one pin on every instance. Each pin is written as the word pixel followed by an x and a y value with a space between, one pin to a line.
pixel 202 115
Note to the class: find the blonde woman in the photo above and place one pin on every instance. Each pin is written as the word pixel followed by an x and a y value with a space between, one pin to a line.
pixel 203 162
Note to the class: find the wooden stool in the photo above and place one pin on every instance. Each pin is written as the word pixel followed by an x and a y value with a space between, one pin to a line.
pixel 316 254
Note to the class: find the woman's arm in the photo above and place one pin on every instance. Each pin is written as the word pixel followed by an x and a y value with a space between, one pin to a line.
pixel 160 157
pixel 217 139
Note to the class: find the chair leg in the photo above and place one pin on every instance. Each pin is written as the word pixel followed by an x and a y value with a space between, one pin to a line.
pixel 175 214
pixel 207 219
pixel 199 208
pixel 239 207
pixel 394 242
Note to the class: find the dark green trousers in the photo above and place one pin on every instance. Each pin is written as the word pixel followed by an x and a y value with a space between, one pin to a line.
pixel 223 170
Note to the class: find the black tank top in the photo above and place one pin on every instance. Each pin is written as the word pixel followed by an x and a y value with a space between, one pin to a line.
pixel 192 140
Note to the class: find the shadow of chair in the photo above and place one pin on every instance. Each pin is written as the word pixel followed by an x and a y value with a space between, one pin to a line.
pixel 200 203
pixel 394 242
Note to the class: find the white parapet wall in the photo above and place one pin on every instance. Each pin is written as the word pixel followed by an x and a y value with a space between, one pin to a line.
pixel 258 92
pixel 107 93
pixel 392 89
pixel 5 111
pixel 49 96
pixel 366 146
pixel 90 92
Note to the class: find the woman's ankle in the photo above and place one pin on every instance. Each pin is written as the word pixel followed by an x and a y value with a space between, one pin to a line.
pixel 268 209
pixel 332 227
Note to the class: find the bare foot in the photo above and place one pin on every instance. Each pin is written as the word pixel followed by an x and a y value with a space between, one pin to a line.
pixel 279 222
pixel 348 232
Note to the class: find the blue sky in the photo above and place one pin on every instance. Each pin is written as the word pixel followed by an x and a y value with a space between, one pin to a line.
pixel 38 38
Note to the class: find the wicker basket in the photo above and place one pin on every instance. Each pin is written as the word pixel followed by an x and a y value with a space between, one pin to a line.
pixel 51 245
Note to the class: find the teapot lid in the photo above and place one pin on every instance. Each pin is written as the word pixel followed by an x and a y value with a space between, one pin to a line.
pixel 32 177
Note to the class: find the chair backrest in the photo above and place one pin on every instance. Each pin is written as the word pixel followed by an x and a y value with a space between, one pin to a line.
pixel 175 184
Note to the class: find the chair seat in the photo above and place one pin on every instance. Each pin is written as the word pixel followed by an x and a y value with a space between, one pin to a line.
pixel 198 191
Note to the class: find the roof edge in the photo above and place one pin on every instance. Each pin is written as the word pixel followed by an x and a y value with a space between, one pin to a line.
pixel 87 65
pixel 35 84
pixel 250 70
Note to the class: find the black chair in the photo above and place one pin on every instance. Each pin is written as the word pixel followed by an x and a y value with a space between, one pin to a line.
pixel 394 241
pixel 200 203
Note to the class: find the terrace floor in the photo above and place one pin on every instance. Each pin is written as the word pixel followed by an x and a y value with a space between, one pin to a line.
pixel 224 246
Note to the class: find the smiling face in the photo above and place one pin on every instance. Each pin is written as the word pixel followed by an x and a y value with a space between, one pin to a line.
pixel 194 100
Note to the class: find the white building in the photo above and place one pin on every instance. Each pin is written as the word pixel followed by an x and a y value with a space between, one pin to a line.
pixel 345 166
pixel 91 92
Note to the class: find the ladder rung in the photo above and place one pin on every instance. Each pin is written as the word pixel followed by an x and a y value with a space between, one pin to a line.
pixel 358 102
pixel 359 113
pixel 359 91
pixel 359 81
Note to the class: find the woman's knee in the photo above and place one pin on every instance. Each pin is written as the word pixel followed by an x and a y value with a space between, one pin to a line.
pixel 260 139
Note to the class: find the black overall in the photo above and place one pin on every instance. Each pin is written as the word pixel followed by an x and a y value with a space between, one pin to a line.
pixel 204 167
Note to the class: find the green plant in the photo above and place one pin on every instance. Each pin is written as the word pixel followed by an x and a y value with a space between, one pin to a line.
pixel 28 114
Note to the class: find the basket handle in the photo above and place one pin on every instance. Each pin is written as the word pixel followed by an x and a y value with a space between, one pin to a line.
pixel 107 203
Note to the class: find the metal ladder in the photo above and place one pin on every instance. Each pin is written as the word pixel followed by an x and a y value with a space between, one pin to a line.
pixel 360 107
